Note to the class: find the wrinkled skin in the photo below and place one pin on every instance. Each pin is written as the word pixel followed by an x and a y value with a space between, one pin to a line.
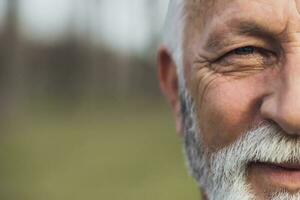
pixel 236 88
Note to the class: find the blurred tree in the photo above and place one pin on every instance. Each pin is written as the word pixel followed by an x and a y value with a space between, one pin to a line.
pixel 94 68
pixel 12 69
pixel 78 64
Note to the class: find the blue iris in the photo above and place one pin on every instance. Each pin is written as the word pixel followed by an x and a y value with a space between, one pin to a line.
pixel 244 50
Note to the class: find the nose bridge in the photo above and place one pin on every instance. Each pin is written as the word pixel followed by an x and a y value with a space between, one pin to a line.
pixel 282 103
pixel 287 95
pixel 289 90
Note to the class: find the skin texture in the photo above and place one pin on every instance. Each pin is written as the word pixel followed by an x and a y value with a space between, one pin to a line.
pixel 235 92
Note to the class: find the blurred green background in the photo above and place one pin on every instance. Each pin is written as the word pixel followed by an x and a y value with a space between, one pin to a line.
pixel 82 116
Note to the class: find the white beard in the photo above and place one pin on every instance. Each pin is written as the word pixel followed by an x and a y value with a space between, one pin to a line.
pixel 285 196
pixel 222 174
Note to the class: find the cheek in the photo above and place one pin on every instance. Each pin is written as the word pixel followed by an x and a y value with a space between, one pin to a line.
pixel 228 109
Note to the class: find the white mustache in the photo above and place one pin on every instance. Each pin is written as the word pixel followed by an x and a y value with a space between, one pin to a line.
pixel 267 143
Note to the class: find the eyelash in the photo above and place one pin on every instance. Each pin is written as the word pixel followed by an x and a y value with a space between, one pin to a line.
pixel 259 50
pixel 251 48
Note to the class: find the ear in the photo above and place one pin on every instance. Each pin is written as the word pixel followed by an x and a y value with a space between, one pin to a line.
pixel 168 79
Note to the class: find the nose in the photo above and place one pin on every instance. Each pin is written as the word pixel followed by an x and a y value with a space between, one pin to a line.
pixel 282 105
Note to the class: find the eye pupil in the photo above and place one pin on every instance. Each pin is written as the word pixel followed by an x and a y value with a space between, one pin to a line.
pixel 244 50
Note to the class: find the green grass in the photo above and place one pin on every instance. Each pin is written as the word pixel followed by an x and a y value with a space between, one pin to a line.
pixel 111 151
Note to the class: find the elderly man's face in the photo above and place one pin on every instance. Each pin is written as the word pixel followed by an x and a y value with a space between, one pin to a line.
pixel 242 68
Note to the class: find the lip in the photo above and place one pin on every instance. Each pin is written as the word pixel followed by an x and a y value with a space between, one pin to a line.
pixel 281 175
pixel 288 166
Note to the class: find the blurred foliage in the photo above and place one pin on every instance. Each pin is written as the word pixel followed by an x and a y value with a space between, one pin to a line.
pixel 83 121
pixel 74 67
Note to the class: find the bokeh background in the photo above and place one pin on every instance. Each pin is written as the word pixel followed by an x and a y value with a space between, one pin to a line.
pixel 82 116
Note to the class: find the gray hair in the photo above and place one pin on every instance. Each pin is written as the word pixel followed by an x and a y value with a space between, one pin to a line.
pixel 173 35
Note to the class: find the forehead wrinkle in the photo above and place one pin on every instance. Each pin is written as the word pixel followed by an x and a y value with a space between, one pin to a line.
pixel 198 8
pixel 200 14
pixel 196 11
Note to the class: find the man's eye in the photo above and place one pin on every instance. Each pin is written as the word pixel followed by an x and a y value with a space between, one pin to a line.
pixel 244 50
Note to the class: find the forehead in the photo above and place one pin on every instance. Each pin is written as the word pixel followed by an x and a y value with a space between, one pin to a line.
pixel 200 13
pixel 206 18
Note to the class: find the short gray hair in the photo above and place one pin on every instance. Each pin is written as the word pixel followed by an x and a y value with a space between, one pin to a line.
pixel 173 35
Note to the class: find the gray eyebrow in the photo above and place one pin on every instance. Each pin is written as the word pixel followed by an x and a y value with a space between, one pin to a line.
pixel 254 29
pixel 220 39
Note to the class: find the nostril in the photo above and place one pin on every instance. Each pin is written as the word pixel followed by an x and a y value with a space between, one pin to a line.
pixel 272 123
pixel 289 124
pixel 281 129
pixel 282 108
